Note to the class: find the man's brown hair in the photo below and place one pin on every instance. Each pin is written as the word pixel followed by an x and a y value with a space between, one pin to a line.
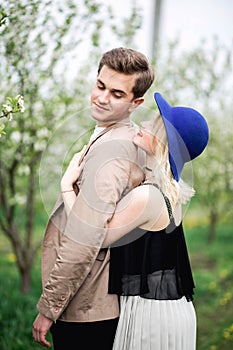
pixel 129 61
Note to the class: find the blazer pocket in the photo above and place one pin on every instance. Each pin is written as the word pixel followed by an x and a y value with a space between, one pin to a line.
pixel 102 254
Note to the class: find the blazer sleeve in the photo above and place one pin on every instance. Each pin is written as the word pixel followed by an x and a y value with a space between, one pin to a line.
pixel 111 170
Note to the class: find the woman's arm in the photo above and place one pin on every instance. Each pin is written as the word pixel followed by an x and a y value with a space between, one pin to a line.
pixel 69 178
pixel 142 207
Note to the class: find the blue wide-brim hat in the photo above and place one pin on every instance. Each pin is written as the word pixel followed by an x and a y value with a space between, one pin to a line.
pixel 187 133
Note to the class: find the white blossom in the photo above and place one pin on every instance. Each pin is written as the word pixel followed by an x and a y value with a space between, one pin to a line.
pixel 16 136
pixel 20 103
pixel 10 116
pixel 8 108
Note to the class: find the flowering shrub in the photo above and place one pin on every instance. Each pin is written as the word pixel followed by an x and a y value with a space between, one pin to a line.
pixel 228 332
pixel 12 105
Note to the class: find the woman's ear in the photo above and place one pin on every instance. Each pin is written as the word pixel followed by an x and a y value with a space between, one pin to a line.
pixel 153 144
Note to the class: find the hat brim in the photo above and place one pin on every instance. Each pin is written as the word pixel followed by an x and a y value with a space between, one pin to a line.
pixel 176 145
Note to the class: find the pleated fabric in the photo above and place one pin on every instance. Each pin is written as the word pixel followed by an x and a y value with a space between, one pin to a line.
pixel 148 324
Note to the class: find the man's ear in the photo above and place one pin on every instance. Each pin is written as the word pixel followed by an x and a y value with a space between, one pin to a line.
pixel 135 103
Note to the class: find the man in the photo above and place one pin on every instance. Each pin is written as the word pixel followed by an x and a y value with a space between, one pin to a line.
pixel 75 270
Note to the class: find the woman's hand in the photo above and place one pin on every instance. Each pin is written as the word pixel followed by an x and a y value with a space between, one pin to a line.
pixel 72 172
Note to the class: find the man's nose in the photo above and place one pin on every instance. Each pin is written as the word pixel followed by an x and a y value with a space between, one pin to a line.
pixel 104 96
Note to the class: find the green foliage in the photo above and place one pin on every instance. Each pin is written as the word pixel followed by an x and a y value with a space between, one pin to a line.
pixel 12 105
pixel 213 300
pixel 47 51
pixel 2 130
pixel 17 311
pixel 45 58
pixel 3 18
pixel 126 31
pixel 213 297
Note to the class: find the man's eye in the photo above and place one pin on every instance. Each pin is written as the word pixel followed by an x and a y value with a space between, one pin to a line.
pixel 117 95
pixel 101 87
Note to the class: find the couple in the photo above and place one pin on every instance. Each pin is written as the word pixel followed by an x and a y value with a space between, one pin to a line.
pixel 124 179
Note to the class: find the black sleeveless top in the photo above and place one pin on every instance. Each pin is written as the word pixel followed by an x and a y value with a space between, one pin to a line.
pixel 155 266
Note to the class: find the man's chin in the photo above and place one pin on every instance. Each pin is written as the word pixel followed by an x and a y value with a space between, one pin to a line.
pixel 100 117
pixel 97 114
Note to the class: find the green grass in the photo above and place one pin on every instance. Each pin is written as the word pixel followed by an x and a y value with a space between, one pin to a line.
pixel 213 274
pixel 17 311
pixel 213 299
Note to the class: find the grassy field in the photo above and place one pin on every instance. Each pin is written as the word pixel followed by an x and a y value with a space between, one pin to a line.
pixel 212 266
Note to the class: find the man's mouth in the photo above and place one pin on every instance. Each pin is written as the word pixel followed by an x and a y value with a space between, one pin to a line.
pixel 99 107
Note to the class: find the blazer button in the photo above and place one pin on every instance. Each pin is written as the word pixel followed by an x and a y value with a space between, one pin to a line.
pixel 63 297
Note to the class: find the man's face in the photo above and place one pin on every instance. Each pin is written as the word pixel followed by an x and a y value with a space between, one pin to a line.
pixel 112 98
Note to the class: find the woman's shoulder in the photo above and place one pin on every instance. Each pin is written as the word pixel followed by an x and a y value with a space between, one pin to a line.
pixel 148 193
pixel 157 196
pixel 155 205
pixel 151 189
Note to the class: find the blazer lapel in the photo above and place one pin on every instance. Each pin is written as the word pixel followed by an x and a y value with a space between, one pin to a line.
pixel 94 139
pixel 60 199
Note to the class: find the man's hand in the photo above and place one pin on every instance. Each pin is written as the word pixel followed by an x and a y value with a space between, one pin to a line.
pixel 40 328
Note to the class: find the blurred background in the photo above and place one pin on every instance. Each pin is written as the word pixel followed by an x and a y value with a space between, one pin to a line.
pixel 49 52
pixel 191 22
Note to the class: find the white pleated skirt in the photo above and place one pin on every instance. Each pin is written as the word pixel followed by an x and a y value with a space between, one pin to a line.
pixel 147 324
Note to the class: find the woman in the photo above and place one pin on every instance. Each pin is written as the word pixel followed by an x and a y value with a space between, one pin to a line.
pixel 151 271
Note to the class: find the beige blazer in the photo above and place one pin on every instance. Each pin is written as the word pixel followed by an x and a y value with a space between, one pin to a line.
pixel 75 269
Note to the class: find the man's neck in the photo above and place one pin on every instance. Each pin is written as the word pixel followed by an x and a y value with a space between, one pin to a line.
pixel 106 124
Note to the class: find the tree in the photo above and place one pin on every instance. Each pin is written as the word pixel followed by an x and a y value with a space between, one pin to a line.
pixel 40 42
pixel 213 172
pixel 13 105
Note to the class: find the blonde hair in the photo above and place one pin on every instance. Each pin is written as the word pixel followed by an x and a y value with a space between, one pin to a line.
pixel 177 192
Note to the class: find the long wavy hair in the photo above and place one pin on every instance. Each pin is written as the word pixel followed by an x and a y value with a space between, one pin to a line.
pixel 177 192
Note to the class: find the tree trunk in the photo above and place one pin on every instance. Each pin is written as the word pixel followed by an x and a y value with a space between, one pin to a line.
pixel 212 226
pixel 25 282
